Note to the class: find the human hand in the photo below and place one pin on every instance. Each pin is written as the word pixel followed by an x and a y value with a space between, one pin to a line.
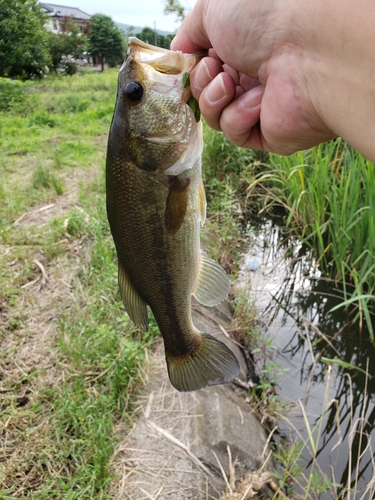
pixel 266 99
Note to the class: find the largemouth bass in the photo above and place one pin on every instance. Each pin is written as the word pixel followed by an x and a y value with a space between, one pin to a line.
pixel 156 205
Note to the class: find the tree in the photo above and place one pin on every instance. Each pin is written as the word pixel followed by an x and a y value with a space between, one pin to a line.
pixel 71 42
pixel 106 40
pixel 174 7
pixel 149 35
pixel 23 39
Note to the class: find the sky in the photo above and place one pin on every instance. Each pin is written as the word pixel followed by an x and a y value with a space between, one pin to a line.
pixel 134 12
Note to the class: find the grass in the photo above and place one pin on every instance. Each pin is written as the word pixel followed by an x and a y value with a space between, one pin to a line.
pixel 224 177
pixel 328 197
pixel 85 360
pixel 71 361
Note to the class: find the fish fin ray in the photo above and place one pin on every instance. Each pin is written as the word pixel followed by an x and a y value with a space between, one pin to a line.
pixel 202 202
pixel 213 284
pixel 211 363
pixel 177 203
pixel 134 304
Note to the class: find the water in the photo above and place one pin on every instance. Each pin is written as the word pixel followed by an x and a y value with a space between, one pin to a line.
pixel 295 302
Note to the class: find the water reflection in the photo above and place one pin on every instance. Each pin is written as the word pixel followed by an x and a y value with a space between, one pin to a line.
pixel 296 305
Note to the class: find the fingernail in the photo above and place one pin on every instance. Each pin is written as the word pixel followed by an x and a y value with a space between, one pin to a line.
pixel 252 98
pixel 202 76
pixel 216 91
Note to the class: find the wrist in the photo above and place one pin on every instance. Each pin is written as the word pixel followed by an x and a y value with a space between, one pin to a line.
pixel 340 71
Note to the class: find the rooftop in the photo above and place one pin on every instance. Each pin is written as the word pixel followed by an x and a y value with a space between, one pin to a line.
pixel 64 11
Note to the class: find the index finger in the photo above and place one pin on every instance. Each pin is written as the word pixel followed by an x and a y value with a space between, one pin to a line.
pixel 192 35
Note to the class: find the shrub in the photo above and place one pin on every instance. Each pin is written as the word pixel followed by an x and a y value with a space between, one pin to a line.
pixel 68 65
pixel 12 92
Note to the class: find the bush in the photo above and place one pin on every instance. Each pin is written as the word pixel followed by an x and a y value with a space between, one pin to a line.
pixel 68 65
pixel 12 93
pixel 24 50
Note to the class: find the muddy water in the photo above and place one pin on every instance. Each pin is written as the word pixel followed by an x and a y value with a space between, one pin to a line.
pixel 295 302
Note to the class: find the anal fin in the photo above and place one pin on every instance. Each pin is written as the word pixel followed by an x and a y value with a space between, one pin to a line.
pixel 134 304
pixel 213 284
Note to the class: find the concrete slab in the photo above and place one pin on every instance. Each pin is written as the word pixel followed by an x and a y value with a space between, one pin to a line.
pixel 179 447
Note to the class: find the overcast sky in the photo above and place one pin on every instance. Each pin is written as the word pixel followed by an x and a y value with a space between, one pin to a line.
pixel 134 12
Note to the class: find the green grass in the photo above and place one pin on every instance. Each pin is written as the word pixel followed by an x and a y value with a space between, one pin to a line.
pixel 328 197
pixel 60 410
pixel 59 430
pixel 225 174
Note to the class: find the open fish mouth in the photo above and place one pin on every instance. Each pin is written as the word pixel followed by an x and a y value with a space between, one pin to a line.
pixel 163 60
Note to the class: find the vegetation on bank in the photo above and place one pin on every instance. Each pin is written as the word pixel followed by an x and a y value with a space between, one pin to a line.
pixel 58 294
pixel 60 411
pixel 327 195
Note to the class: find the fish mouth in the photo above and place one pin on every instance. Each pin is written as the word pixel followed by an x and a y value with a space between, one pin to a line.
pixel 148 50
pixel 164 61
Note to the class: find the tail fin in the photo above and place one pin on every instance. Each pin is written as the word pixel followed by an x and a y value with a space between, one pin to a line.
pixel 211 364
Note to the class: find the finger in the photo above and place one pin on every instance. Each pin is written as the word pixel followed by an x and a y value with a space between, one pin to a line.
pixel 239 91
pixel 212 53
pixel 215 97
pixel 207 69
pixel 239 118
pixel 247 82
pixel 233 73
pixel 192 35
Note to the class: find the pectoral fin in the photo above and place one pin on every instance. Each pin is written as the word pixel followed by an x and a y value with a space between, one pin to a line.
pixel 202 202
pixel 134 305
pixel 177 202
pixel 213 283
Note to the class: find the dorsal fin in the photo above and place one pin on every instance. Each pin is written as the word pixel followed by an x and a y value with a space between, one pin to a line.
pixel 134 304
pixel 212 284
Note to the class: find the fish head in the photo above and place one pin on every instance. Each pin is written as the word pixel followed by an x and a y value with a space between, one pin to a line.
pixel 152 121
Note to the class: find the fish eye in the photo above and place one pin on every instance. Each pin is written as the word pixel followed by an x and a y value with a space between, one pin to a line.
pixel 133 91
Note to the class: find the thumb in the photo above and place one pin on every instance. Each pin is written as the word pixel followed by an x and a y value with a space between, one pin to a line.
pixel 192 36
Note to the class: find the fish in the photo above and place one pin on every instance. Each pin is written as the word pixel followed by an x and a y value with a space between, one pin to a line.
pixel 156 205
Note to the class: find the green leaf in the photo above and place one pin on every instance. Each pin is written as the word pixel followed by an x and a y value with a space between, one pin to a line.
pixel 185 80
pixel 193 103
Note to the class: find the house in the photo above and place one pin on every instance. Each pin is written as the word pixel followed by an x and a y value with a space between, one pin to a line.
pixel 58 14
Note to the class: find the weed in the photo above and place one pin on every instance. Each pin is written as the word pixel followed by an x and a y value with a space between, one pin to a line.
pixel 327 195
pixel 13 93
pixel 223 175
pixel 42 120
pixel 42 178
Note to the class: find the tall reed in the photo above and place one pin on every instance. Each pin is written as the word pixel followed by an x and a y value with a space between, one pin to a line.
pixel 328 194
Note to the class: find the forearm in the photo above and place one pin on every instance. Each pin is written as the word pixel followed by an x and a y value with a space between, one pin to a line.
pixel 342 73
